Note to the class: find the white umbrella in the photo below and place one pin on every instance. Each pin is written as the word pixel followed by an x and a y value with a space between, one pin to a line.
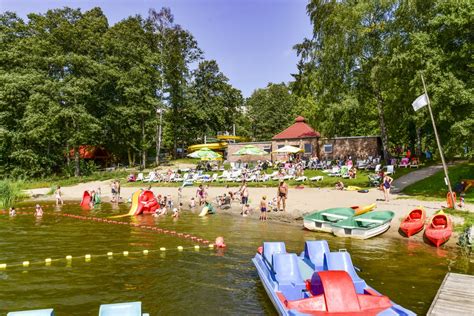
pixel 288 149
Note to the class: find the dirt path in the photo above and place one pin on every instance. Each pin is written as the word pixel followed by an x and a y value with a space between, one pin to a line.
pixel 414 176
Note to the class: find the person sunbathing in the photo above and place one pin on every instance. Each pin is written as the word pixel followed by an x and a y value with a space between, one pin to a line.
pixel 339 185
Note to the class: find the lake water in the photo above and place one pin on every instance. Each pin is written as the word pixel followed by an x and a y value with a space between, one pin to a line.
pixel 203 282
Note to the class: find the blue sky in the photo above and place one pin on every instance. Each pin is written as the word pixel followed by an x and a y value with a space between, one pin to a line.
pixel 251 40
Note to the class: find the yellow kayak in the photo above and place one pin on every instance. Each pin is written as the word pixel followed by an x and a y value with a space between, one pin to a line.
pixel 363 209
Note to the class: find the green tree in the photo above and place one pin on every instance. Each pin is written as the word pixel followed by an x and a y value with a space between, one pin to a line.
pixel 178 50
pixel 214 103
pixel 270 110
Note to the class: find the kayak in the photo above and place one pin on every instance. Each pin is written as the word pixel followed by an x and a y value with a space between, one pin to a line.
pixel 359 210
pixel 364 226
pixel 439 228
pixel 414 222
pixel 318 282
pixel 323 220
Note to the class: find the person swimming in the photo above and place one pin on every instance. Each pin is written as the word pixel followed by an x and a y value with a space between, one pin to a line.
pixel 38 211
pixel 220 242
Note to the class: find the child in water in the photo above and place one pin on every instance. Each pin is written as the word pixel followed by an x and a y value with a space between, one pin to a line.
pixel 246 210
pixel 192 203
pixel 220 242
pixel 175 213
pixel 263 208
pixel 38 211
pixel 169 202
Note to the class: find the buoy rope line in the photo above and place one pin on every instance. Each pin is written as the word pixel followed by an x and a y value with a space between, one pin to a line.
pixel 88 257
pixel 110 221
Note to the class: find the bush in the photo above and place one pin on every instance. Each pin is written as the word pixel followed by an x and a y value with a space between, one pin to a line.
pixel 9 193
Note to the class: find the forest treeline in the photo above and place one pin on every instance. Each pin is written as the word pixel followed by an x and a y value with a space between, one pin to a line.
pixel 68 78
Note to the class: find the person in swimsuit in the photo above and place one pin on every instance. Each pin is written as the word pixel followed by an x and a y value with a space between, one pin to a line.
pixel 263 208
pixel 58 195
pixel 386 184
pixel 38 211
pixel 200 194
pixel 282 195
pixel 244 193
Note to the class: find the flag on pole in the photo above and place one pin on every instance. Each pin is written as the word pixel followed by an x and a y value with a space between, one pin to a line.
pixel 420 102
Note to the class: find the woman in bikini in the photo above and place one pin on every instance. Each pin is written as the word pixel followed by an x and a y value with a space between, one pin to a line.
pixel 386 184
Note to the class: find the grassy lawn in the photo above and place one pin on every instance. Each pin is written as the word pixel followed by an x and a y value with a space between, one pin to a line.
pixel 466 215
pixel 434 187
pixel 68 181
pixel 360 181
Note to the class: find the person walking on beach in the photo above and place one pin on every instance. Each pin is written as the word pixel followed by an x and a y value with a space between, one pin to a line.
pixel 282 195
pixel 244 193
pixel 58 194
pixel 117 189
pixel 386 184
pixel 201 195
pixel 263 208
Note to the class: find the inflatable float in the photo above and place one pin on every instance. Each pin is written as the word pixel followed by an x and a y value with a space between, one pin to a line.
pixel 143 202
pixel 147 203
pixel 206 210
pixel 86 199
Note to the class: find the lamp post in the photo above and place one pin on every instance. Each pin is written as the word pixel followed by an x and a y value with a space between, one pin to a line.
pixel 158 136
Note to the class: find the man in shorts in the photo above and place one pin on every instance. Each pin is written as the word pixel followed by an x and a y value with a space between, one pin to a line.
pixel 282 195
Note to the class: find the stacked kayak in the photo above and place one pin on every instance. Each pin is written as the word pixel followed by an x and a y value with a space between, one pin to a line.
pixel 359 210
pixel 318 282
pixel 364 226
pixel 439 228
pixel 356 222
pixel 414 222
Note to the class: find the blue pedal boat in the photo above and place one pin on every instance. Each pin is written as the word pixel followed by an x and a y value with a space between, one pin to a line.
pixel 318 282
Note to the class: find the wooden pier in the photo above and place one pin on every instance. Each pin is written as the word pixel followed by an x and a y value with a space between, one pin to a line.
pixel 455 296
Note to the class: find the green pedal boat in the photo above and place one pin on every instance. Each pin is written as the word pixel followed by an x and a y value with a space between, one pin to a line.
pixel 364 226
pixel 324 220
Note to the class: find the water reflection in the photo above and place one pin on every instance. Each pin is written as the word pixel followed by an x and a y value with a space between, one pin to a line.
pixel 222 281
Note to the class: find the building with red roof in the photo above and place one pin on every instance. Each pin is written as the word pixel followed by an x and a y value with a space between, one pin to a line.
pixel 300 129
pixel 300 134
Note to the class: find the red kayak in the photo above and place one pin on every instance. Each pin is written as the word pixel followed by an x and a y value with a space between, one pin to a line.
pixel 439 229
pixel 414 222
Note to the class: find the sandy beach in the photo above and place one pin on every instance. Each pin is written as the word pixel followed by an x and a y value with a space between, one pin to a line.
pixel 300 201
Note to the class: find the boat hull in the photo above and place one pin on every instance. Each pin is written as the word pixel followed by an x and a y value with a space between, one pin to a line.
pixel 317 226
pixel 439 229
pixel 286 306
pixel 410 229
pixel 358 233
pixel 414 222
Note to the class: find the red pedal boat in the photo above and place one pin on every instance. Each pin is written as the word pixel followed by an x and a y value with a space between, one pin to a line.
pixel 414 222
pixel 439 229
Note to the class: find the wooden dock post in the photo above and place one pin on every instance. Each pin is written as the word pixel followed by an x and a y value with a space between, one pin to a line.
pixel 455 296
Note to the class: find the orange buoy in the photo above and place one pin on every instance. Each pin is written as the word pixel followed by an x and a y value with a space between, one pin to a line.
pixel 451 201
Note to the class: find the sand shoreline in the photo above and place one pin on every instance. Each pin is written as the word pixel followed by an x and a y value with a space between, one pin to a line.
pixel 300 201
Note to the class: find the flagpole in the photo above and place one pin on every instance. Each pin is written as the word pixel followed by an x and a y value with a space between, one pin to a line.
pixel 439 144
